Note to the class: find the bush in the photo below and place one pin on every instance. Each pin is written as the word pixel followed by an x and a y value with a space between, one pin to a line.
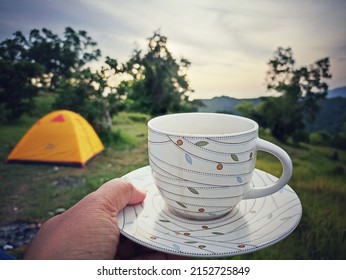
pixel 138 117
pixel 128 118
pixel 116 139
pixel 300 136
pixel 319 138
pixel 108 137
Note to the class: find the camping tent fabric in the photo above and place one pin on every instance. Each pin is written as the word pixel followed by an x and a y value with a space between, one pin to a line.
pixel 60 137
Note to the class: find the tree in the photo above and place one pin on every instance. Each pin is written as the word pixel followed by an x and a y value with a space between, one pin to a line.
pixel 16 88
pixel 16 76
pixel 28 64
pixel 156 83
pixel 299 89
pixel 61 56
pixel 89 94
pixel 153 83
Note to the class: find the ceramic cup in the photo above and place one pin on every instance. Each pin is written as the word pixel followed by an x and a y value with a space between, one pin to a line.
pixel 202 163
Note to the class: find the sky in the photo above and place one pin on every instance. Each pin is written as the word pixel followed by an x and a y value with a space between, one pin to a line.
pixel 228 43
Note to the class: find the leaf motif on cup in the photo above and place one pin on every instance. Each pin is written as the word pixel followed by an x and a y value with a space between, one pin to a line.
pixel 201 143
pixel 240 180
pixel 217 233
pixel 234 157
pixel 192 190
pixel 188 158
pixel 181 204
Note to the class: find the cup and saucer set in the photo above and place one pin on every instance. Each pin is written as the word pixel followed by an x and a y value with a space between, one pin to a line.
pixel 205 198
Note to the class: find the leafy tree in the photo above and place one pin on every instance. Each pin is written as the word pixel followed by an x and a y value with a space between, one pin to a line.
pixel 299 89
pixel 16 88
pixel 61 56
pixel 27 64
pixel 156 82
pixel 16 75
pixel 89 94
pixel 152 83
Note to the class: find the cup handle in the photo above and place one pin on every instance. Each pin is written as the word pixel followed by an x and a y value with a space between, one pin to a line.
pixel 287 166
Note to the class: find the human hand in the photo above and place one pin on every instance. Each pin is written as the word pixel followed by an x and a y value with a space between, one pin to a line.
pixel 89 229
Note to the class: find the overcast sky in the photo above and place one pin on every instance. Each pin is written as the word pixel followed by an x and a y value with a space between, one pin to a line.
pixel 228 42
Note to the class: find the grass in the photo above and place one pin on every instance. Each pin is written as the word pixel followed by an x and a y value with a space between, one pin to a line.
pixel 320 184
pixel 34 192
pixel 30 192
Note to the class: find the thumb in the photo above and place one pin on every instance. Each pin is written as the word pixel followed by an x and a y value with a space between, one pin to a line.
pixel 117 193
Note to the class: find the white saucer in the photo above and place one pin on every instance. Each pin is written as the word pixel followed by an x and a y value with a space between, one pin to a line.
pixel 252 225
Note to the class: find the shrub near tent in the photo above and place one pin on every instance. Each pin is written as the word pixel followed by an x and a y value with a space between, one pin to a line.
pixel 61 137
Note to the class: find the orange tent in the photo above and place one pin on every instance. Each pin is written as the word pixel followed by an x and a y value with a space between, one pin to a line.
pixel 60 137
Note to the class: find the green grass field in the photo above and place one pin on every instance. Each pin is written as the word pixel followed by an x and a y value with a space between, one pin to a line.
pixel 34 192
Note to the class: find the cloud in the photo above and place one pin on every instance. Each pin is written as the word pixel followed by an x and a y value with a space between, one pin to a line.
pixel 227 42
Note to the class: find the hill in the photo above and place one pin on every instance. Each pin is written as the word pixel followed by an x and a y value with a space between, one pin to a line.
pixel 224 104
pixel 337 92
pixel 331 117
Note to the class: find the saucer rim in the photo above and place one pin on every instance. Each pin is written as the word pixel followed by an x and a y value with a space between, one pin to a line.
pixel 153 246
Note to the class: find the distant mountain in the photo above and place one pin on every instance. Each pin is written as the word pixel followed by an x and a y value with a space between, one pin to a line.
pixel 337 92
pixel 224 104
pixel 331 117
